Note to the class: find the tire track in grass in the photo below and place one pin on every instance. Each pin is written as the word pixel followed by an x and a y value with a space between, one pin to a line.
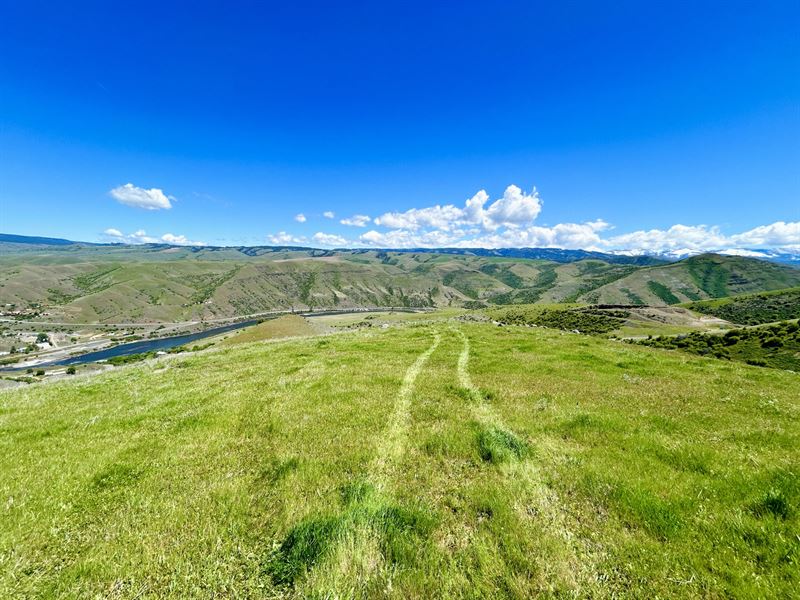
pixel 496 443
pixel 341 555
pixel 393 443
pixel 480 408
pixel 576 568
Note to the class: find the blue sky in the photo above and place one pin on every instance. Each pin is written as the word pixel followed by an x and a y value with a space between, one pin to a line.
pixel 641 125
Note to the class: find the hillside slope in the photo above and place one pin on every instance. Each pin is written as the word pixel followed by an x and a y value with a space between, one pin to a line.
pixel 753 309
pixel 448 460
pixel 696 278
pixel 132 289
pixel 110 284
pixel 169 284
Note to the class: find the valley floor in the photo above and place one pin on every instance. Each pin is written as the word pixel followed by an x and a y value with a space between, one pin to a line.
pixel 443 458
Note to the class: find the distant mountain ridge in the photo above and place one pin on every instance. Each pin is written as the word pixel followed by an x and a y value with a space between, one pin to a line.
pixel 10 238
pixel 552 254
pixel 111 283
pixel 559 255
pixel 779 255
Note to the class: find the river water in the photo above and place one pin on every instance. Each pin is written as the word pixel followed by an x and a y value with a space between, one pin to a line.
pixel 139 347
pixel 181 340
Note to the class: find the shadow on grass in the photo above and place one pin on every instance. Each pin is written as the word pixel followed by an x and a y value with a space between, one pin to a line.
pixel 773 502
pixel 400 530
pixel 278 469
pixel 781 489
pixel 305 544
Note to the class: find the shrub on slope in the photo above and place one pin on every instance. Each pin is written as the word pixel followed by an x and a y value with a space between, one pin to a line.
pixel 774 346
pixel 754 309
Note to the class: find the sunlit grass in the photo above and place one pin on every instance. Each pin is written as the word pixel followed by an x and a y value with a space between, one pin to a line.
pixel 247 471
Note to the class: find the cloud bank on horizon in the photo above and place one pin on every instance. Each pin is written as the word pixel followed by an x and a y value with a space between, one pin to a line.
pixel 506 222
pixel 509 222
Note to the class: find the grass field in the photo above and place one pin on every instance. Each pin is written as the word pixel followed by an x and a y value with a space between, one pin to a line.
pixel 448 459
pixel 281 327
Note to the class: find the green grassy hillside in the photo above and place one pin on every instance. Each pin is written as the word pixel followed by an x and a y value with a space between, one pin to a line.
pixel 696 278
pixel 442 460
pixel 637 321
pixel 189 289
pixel 157 286
pixel 776 345
pixel 168 284
pixel 753 309
pixel 282 327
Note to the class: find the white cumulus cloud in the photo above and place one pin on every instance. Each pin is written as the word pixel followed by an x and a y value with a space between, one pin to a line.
pixel 356 221
pixel 563 235
pixel 510 222
pixel 776 234
pixel 330 239
pixel 300 218
pixel 403 238
pixel 180 240
pixel 515 209
pixel 152 199
pixel 704 238
pixel 286 239
pixel 329 214
pixel 695 237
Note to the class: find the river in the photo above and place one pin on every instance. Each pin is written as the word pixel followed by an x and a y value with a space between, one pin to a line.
pixel 166 343
pixel 137 347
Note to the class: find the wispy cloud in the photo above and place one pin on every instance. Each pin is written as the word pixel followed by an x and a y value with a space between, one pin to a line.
pixel 329 214
pixel 300 218
pixel 152 199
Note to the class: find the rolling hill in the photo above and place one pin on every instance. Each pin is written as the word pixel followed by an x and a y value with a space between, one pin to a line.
pixel 160 283
pixel 695 278
pixel 753 309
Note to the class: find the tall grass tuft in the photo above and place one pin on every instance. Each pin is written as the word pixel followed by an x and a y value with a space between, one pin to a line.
pixel 496 445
